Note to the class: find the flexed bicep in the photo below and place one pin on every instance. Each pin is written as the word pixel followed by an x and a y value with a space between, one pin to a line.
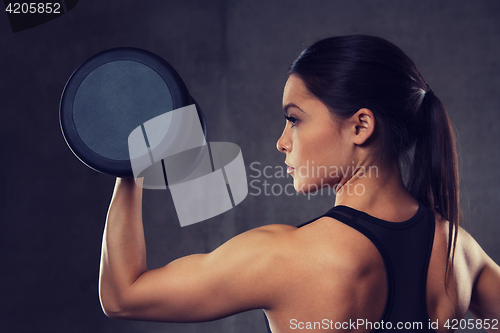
pixel 233 278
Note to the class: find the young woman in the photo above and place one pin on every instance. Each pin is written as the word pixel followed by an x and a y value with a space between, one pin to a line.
pixel 389 255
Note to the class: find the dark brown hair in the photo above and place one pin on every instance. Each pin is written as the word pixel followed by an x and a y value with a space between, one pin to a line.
pixel 348 73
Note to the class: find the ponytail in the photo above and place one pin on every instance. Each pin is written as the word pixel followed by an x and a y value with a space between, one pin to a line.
pixel 433 177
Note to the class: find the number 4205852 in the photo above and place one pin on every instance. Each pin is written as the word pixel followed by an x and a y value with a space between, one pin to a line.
pixel 472 323
pixel 33 8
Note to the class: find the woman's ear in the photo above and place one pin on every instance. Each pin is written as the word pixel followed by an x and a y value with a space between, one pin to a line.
pixel 363 125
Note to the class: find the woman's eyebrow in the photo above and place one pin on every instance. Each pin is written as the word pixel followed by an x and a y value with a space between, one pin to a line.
pixel 291 105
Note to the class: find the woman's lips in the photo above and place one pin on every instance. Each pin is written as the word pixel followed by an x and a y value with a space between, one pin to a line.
pixel 290 169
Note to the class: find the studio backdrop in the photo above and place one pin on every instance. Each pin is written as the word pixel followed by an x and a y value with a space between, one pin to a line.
pixel 232 57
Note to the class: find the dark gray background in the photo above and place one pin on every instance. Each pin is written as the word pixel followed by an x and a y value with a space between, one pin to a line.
pixel 233 56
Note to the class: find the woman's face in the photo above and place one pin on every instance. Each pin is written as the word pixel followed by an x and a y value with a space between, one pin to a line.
pixel 316 150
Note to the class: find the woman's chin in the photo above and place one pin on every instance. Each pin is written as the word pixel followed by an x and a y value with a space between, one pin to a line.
pixel 304 187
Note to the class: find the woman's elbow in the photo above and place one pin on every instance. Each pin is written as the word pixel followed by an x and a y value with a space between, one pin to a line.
pixel 111 311
pixel 113 307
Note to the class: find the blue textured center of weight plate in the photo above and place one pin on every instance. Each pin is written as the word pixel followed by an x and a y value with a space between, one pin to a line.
pixel 113 100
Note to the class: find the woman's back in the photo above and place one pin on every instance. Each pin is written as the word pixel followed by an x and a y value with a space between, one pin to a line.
pixel 348 280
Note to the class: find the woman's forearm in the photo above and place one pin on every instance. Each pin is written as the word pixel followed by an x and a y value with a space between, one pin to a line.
pixel 123 257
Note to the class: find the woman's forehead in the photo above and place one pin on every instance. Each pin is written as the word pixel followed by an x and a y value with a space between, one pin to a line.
pixel 296 92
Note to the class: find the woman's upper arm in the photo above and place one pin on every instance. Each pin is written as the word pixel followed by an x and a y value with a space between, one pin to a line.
pixel 485 300
pixel 235 277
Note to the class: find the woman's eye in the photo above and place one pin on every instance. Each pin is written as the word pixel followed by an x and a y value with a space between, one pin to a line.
pixel 292 120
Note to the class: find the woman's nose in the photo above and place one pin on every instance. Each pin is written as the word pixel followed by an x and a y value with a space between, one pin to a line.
pixel 283 144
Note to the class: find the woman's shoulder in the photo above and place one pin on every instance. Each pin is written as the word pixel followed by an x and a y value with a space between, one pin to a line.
pixel 333 243
pixel 469 260
pixel 473 267
pixel 467 249
pixel 324 240
pixel 344 264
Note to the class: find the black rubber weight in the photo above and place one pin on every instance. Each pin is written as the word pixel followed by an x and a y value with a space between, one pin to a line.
pixel 110 95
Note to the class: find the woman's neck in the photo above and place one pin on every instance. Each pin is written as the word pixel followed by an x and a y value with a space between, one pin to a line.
pixel 378 191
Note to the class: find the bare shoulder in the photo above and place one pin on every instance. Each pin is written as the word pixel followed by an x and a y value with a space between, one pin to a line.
pixel 264 238
pixel 345 266
pixel 286 253
pixel 338 244
pixel 273 230
pixel 262 242
pixel 471 250
pixel 475 278
pixel 469 257
pixel 485 276
pixel 467 249
pixel 322 244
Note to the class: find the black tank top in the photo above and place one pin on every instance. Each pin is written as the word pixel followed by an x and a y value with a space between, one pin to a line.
pixel 405 248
